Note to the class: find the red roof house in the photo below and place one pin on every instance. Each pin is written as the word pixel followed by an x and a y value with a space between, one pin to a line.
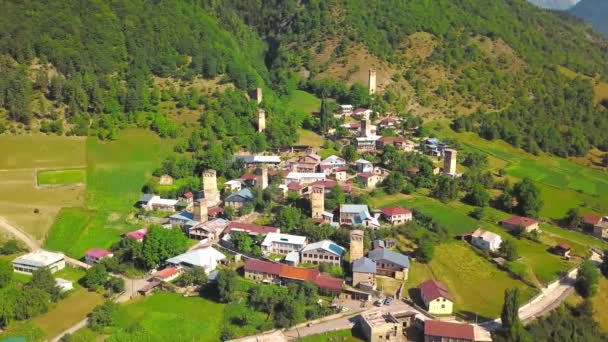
pixel 252 229
pixel 168 274
pixel 214 212
pixel 397 215
pixel 448 331
pixel 95 255
pixel 137 235
pixel 515 222
pixel 591 219
pixel 259 269
pixel 431 290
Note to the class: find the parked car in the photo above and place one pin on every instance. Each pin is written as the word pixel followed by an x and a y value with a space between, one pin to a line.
pixel 378 302
pixel 388 301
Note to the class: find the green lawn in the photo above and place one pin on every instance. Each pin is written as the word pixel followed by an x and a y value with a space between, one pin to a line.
pixel 564 184
pixel 477 285
pixel 333 336
pixel 116 172
pixel 171 317
pixel 303 103
pixel 600 301
pixel 309 138
pixel 58 177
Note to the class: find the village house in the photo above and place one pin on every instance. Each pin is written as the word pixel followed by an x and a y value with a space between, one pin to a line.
pixel 248 180
pixel 598 225
pixel 380 326
pixel 433 146
pixel 379 244
pixel 439 331
pixel 322 252
pixel 399 143
pixel 33 261
pixel 210 230
pixel 214 212
pixel 370 180
pixel 150 202
pixel 352 127
pixel 304 178
pixel 64 285
pixel 295 187
pixel 563 249
pixel 265 271
pixel 207 258
pixel 251 229
pixel 168 274
pixel 436 298
pixel 357 215
pixel 519 222
pixel 277 243
pixel 389 263
pixel 187 199
pixel 239 199
pixel 364 273
pixel 252 161
pixel 389 122
pixel 486 240
pixel 307 164
pixel 341 175
pixel 345 110
pixel 397 215
pixel 364 166
pixel 95 255
pixel 366 144
pixel 137 235
pixel 234 185
pixel 332 163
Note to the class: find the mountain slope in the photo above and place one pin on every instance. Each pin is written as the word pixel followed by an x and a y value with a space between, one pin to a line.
pixel 594 12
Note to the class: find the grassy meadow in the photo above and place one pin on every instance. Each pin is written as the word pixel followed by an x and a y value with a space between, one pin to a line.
pixel 61 177
pixel 116 172
pixel 564 184
pixel 333 336
pixel 304 103
pixel 24 205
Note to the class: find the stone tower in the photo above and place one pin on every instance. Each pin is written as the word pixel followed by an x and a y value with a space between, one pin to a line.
pixel 200 211
pixel 210 192
pixel 366 128
pixel 261 178
pixel 449 161
pixel 261 120
pixel 317 201
pixel 356 244
pixel 372 81
pixel 258 95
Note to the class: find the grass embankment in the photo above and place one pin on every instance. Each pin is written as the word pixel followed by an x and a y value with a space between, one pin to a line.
pixel 24 205
pixel 61 177
pixel 564 184
pixel 116 172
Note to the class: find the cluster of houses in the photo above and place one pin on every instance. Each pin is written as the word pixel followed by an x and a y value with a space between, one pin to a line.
pixel 35 260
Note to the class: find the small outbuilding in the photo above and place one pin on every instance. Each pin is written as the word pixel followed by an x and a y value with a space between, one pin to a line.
pixel 563 249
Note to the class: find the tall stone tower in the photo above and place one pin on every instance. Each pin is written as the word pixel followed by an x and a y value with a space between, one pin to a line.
pixel 366 128
pixel 200 211
pixel 356 244
pixel 258 95
pixel 210 192
pixel 372 81
pixel 261 120
pixel 449 161
pixel 317 201
pixel 261 178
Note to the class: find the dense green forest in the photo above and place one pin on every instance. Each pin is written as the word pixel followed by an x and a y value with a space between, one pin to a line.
pixel 91 64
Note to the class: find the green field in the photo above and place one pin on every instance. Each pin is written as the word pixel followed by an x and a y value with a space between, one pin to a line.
pixel 304 103
pixel 537 263
pixel 22 203
pixel 116 172
pixel 477 285
pixel 61 177
pixel 333 336
pixel 564 184
pixel 170 317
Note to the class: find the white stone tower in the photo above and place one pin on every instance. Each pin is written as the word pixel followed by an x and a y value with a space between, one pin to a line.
pixel 317 201
pixel 366 128
pixel 261 120
pixel 210 192
pixel 372 81
pixel 258 95
pixel 449 161
pixel 200 211
pixel 356 244
pixel 261 178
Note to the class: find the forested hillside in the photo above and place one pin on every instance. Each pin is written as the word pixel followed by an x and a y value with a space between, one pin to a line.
pixel 92 64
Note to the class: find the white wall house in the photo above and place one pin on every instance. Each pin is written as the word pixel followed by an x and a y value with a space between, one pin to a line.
pixel 35 260
pixel 486 240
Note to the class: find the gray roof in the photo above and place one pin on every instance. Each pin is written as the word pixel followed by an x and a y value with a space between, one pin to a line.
pixel 146 198
pixel 364 265
pixel 326 245
pixel 379 243
pixel 388 255
pixel 241 196
pixel 353 208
